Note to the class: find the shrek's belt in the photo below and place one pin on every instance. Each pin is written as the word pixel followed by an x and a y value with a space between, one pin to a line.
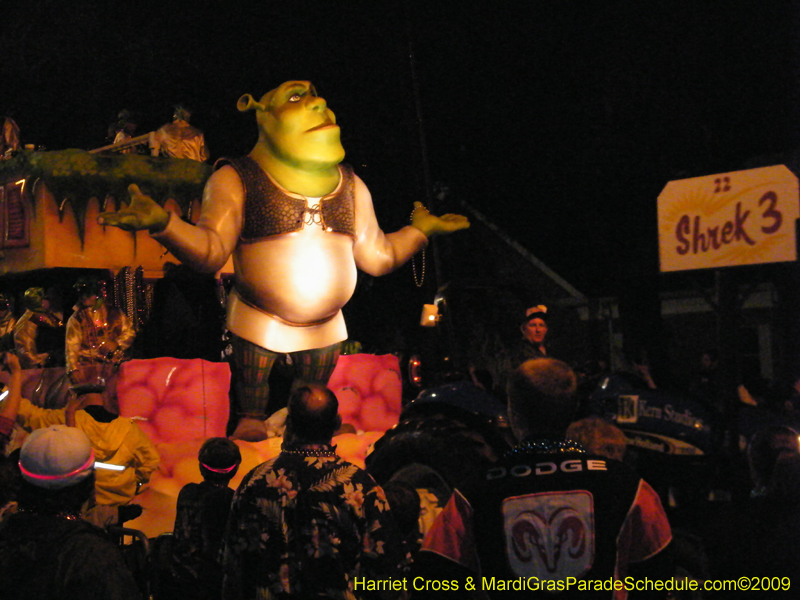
pixel 279 335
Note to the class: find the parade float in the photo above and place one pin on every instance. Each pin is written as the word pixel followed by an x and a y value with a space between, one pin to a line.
pixel 49 203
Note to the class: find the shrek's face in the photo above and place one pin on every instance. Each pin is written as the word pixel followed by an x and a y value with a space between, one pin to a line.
pixel 298 128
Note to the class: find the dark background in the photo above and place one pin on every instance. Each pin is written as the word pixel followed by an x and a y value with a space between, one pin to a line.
pixel 561 121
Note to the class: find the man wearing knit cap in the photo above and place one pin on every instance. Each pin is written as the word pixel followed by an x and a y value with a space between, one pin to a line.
pixel 534 333
pixel 46 549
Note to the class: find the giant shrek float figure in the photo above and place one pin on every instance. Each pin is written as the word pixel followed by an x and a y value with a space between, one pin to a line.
pixel 298 224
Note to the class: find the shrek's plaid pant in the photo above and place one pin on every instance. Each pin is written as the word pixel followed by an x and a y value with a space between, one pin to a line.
pixel 253 364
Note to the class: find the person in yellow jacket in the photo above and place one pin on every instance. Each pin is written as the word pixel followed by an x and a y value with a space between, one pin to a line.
pixel 126 454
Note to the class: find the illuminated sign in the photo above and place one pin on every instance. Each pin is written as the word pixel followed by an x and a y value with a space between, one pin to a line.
pixel 739 218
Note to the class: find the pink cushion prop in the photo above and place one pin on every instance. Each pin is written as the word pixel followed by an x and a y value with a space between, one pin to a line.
pixel 369 389
pixel 177 400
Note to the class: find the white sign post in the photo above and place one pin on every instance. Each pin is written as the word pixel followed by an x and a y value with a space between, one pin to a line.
pixel 739 218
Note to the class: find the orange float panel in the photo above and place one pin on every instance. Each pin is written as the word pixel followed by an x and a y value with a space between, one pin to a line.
pixel 46 234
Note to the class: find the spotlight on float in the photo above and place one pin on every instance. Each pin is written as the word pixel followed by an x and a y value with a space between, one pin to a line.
pixel 430 315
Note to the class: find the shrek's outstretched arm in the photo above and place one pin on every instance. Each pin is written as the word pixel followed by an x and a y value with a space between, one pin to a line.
pixel 207 245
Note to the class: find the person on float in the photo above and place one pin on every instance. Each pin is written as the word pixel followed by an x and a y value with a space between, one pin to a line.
pixel 298 224
pixel 10 405
pixel 98 338
pixel 39 333
pixel 9 137
pixel 7 323
pixel 179 139
pixel 124 129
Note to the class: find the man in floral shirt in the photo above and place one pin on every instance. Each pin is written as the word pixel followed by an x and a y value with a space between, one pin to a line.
pixel 307 523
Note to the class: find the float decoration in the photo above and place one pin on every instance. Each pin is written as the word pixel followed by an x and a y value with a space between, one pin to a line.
pixel 75 176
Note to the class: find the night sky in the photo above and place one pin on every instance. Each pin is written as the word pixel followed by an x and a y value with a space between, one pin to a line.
pixel 561 121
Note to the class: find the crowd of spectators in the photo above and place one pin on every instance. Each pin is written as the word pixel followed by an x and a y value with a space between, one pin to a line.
pixel 552 494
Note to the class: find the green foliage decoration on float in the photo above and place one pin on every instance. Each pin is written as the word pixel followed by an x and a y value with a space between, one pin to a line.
pixel 77 176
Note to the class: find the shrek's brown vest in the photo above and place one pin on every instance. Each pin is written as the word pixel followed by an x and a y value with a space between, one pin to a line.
pixel 269 210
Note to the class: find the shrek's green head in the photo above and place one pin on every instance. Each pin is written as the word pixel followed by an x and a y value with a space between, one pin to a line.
pixel 296 126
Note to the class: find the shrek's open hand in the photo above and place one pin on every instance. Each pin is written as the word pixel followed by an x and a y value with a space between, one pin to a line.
pixel 432 225
pixel 141 213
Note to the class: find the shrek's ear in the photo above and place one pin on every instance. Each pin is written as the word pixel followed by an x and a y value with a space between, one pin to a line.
pixel 246 102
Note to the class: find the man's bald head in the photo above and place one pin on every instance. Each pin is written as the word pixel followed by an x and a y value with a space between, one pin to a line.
pixel 541 398
pixel 313 414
